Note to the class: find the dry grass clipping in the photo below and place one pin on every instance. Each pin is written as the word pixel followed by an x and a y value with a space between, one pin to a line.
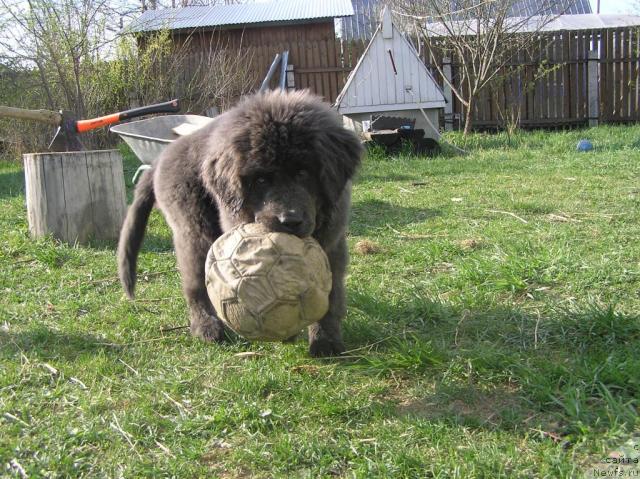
pixel 366 247
pixel 469 244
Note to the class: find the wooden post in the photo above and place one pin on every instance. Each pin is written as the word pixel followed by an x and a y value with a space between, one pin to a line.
pixel 291 82
pixel 76 196
pixel 448 96
pixel 593 88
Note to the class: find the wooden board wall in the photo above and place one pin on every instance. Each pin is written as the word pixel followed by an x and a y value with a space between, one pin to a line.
pixel 550 86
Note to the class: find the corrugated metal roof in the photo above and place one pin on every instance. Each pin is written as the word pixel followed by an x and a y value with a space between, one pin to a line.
pixel 589 21
pixel 527 8
pixel 365 19
pixel 224 15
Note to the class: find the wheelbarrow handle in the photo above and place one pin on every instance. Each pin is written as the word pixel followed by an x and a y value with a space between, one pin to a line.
pixel 87 125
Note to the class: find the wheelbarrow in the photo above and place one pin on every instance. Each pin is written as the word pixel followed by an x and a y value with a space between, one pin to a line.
pixel 147 138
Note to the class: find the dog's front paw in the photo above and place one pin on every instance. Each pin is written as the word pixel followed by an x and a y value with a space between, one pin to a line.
pixel 211 330
pixel 323 346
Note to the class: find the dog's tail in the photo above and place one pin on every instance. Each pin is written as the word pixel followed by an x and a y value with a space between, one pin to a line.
pixel 132 232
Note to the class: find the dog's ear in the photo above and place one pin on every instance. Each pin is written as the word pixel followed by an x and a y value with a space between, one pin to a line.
pixel 340 153
pixel 221 179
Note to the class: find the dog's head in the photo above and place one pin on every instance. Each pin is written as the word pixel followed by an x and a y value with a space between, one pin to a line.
pixel 280 159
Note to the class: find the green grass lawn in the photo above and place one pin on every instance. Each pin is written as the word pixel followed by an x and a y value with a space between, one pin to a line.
pixel 493 329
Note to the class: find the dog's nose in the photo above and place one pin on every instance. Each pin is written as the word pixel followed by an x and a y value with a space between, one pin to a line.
pixel 290 220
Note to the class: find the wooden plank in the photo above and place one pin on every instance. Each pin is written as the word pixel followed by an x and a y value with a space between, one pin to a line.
pixel 56 219
pixel 533 81
pixel 342 76
pixel 566 89
pixel 390 75
pixel 320 76
pixel 402 71
pixel 78 203
pixel 379 56
pixel 107 192
pixel 573 72
pixel 36 195
pixel 327 93
pixel 587 42
pixel 617 72
pixel 539 108
pixel 611 87
pixel 634 42
pixel 529 93
pixel 497 98
pixel 309 60
pixel 625 67
pixel 301 61
pixel 548 98
pixel 604 76
pixel 580 86
pixel 346 49
pixel 555 101
pixel 334 62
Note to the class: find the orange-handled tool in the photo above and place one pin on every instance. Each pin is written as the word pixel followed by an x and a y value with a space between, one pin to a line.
pixel 88 125
pixel 66 137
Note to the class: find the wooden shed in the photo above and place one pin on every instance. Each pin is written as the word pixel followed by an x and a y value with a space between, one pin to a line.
pixel 305 28
pixel 391 79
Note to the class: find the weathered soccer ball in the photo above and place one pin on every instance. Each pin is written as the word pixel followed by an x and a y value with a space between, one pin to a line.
pixel 266 285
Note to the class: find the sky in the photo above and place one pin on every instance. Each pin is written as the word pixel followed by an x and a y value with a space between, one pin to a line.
pixel 617 6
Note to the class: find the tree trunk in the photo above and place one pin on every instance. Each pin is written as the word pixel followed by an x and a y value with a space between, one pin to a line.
pixel 468 120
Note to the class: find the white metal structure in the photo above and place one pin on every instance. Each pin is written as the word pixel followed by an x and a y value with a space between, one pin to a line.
pixel 389 76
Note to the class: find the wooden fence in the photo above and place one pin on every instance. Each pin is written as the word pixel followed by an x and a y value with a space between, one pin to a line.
pixel 619 75
pixel 575 78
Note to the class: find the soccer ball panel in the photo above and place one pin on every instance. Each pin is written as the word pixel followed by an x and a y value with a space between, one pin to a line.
pixel 287 244
pixel 277 323
pixel 256 294
pixel 289 277
pixel 219 293
pixel 318 266
pixel 315 304
pixel 225 272
pixel 226 244
pixel 236 316
pixel 252 229
pixel 254 256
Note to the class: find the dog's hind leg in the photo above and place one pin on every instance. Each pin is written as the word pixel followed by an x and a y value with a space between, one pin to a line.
pixel 325 336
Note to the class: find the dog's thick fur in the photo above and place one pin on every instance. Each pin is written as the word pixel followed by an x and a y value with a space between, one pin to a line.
pixel 281 159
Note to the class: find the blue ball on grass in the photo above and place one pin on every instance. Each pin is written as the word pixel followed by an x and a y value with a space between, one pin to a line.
pixel 584 145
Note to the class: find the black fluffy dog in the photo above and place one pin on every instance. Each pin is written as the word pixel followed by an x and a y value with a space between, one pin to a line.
pixel 281 159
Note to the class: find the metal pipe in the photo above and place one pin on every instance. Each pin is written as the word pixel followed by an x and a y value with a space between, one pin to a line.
pixel 272 69
pixel 283 70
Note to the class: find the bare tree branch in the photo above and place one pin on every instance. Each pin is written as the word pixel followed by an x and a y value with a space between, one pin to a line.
pixel 480 36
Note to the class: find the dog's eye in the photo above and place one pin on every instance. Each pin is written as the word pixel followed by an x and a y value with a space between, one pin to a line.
pixel 260 180
pixel 302 174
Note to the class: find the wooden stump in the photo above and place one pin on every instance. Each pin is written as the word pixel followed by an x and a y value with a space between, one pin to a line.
pixel 76 196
